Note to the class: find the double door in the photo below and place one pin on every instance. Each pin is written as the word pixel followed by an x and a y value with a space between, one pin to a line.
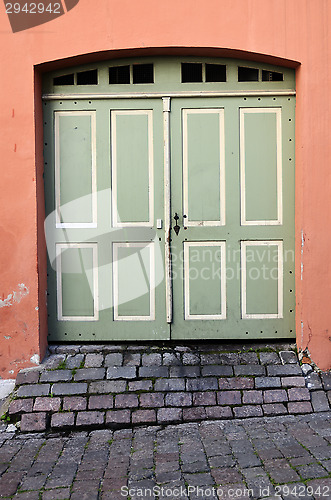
pixel 170 218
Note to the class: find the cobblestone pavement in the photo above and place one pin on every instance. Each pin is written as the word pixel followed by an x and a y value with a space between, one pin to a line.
pixel 284 457
pixel 86 386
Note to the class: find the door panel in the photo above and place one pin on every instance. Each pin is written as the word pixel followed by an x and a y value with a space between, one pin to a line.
pixel 203 167
pixel 205 280
pixel 234 271
pixel 262 279
pixel 261 166
pixel 132 168
pixel 134 290
pixel 77 286
pixel 75 168
pixel 106 257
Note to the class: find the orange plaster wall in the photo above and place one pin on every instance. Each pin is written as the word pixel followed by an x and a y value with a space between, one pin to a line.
pixel 296 30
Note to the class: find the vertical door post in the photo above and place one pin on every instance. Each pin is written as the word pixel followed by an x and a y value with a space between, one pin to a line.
pixel 167 205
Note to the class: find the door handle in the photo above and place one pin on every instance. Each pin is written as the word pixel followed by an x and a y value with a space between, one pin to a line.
pixel 176 227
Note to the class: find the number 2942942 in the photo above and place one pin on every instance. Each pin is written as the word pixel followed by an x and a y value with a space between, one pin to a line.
pixel 33 8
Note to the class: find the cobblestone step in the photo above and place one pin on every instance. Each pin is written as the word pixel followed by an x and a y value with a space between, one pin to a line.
pixel 123 385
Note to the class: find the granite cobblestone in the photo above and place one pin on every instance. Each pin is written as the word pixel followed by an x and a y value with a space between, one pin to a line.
pixel 326 379
pixel 143 416
pixel 118 417
pixel 229 398
pixel 89 374
pixel 319 401
pixel 140 385
pixel 126 401
pixel 89 418
pixel 27 377
pixel 313 381
pixel 154 359
pixel 252 397
pixel 248 411
pixel 204 398
pixel 107 386
pixel 267 382
pixel 293 382
pixel 47 404
pixel 217 371
pixel 74 403
pixel 236 383
pixel 216 412
pixel 74 361
pixel 126 372
pixel 288 357
pixel 193 414
pixel 33 390
pixel 274 409
pixel 151 400
pixel 100 402
pixel 62 420
pixel 56 376
pixel 190 359
pixel 114 359
pixel 299 394
pixel 178 399
pixel 253 370
pixel 275 396
pixel 153 371
pixel 21 406
pixel 269 358
pixel 201 384
pixel 67 388
pixel 283 370
pixel 33 422
pixel 93 360
pixel 132 359
pixel 184 371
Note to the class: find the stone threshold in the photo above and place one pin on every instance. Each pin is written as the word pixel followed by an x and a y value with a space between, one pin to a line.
pixel 119 386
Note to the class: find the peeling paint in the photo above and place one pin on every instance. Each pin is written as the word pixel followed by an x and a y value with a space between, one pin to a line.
pixel 302 241
pixel 7 337
pixel 35 359
pixel 15 297
pixel 301 333
pixel 302 245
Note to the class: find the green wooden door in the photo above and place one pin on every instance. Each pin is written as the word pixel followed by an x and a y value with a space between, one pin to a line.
pixel 231 161
pixel 104 194
pixel 232 186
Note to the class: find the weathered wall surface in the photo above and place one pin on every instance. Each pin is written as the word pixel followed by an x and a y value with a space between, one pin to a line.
pixel 296 30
